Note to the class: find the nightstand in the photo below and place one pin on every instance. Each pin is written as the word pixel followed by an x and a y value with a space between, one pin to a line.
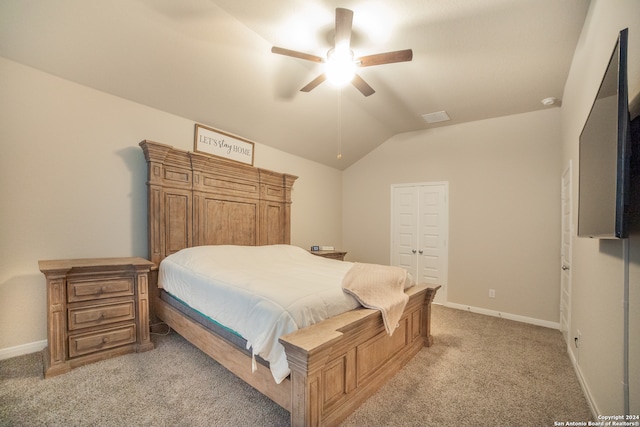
pixel 97 308
pixel 330 254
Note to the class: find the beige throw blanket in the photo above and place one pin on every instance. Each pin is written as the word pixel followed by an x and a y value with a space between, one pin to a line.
pixel 379 287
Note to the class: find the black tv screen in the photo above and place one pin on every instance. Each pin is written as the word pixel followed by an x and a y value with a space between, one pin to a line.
pixel 605 145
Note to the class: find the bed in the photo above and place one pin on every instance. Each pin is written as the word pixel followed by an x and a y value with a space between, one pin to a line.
pixel 334 365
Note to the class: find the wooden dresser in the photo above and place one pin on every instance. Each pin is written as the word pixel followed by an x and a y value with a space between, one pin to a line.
pixel 96 309
pixel 330 254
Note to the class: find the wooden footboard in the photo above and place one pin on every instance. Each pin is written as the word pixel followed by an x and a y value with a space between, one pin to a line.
pixel 339 363
pixel 335 365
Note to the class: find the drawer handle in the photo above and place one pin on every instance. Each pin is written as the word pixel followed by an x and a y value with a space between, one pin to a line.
pixel 105 340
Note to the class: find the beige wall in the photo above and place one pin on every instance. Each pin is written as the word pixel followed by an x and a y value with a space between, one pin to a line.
pixel 72 181
pixel 504 207
pixel 598 266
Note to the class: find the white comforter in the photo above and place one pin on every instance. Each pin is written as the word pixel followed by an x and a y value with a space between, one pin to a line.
pixel 261 292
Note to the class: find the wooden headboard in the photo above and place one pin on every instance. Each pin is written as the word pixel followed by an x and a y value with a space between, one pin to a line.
pixel 196 199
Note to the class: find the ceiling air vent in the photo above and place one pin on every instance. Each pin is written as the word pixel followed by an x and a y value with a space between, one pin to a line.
pixel 438 116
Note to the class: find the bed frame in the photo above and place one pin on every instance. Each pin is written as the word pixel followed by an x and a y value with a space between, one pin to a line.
pixel 196 199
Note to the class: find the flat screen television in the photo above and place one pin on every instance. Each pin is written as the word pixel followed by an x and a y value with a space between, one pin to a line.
pixel 605 150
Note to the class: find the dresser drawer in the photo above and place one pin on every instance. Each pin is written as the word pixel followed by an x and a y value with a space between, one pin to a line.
pixel 101 340
pixel 103 314
pixel 84 289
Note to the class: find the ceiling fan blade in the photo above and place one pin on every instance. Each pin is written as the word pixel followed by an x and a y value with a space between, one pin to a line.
pixel 362 86
pixel 385 58
pixel 296 54
pixel 344 21
pixel 315 82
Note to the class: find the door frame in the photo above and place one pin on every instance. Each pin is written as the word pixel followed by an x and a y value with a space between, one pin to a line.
pixel 566 249
pixel 441 295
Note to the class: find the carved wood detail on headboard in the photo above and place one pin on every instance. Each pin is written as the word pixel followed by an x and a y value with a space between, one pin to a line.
pixel 196 199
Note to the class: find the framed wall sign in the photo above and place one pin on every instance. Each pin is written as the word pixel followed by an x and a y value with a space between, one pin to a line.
pixel 212 141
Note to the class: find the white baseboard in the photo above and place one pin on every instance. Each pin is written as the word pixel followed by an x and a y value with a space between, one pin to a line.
pixel 509 316
pixel 583 384
pixel 20 350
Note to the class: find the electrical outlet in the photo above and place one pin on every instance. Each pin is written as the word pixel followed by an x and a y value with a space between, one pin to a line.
pixel 492 293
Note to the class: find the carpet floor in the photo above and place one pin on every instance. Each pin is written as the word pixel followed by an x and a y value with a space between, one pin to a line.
pixel 481 371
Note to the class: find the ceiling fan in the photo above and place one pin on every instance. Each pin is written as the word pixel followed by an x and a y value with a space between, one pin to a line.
pixel 340 62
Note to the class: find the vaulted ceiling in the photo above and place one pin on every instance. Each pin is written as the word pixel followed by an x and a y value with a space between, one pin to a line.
pixel 210 61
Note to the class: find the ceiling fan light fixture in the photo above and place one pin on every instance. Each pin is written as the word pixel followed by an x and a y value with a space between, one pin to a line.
pixel 340 67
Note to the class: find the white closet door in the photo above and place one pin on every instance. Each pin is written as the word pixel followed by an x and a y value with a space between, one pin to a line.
pixel 432 239
pixel 420 232
pixel 405 229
